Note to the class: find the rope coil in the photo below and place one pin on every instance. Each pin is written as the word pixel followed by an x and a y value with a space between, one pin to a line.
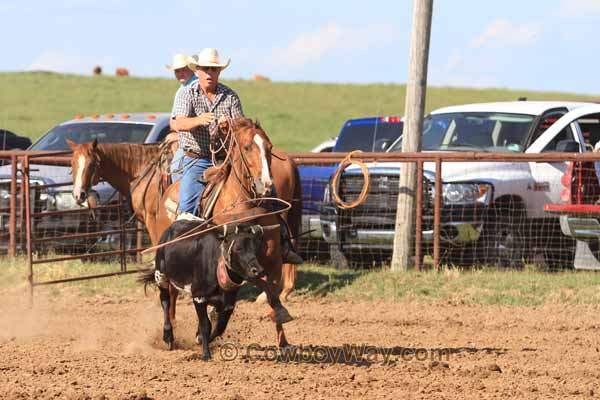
pixel 347 161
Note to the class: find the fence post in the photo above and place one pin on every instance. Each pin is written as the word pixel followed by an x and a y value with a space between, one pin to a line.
pixel 139 240
pixel 12 220
pixel 122 235
pixel 419 216
pixel 436 212
pixel 27 192
pixel 416 88
pixel 22 217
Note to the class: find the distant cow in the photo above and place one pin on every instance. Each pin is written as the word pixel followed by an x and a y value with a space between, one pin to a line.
pixel 122 72
pixel 212 267
pixel 97 70
pixel 261 78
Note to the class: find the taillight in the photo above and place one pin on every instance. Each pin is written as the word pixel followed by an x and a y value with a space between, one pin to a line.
pixel 390 119
pixel 566 180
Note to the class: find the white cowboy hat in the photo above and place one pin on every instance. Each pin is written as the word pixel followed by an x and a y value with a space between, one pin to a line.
pixel 208 57
pixel 179 61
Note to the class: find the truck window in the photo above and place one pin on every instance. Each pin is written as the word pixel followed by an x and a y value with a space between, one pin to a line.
pixel 546 122
pixel 368 137
pixel 565 134
pixel 590 129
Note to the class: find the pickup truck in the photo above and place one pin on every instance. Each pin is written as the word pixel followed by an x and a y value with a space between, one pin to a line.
pixel 367 134
pixel 492 212
pixel 109 128
pixel 579 209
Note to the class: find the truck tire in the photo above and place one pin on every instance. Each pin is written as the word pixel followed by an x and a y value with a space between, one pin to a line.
pixel 558 249
pixel 337 257
pixel 502 242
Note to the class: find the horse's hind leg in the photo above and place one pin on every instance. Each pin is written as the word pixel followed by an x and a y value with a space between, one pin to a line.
pixel 288 280
pixel 168 337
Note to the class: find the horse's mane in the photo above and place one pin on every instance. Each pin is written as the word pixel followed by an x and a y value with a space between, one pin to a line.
pixel 242 122
pixel 129 156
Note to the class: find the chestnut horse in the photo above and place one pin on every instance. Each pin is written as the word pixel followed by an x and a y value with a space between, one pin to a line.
pixel 128 168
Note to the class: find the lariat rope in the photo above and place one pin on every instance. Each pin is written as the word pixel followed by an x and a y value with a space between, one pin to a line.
pixel 192 232
pixel 336 177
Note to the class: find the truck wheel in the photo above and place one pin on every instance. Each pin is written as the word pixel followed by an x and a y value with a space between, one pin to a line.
pixel 502 242
pixel 559 252
pixel 337 257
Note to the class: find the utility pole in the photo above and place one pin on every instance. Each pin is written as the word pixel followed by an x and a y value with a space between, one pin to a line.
pixel 411 134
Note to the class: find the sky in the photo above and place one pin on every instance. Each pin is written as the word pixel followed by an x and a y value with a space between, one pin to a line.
pixel 546 45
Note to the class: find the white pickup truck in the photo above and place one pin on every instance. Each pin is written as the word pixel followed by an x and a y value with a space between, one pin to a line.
pixel 492 212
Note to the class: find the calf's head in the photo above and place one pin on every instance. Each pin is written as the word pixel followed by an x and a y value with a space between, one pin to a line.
pixel 241 246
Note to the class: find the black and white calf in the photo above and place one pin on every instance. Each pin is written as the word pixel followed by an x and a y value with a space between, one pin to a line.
pixel 212 267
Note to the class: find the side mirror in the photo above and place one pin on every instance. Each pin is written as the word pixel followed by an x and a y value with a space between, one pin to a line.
pixel 568 146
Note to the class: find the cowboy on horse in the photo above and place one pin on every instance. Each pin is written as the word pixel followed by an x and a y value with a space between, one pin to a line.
pixel 197 111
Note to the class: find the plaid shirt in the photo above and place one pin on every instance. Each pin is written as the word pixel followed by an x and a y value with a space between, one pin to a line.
pixel 191 102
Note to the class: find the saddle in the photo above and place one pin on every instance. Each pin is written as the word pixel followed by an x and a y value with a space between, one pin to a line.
pixel 215 178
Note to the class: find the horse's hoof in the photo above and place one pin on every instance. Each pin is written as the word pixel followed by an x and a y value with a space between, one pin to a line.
pixel 282 315
pixel 205 357
pixel 262 298
pixel 169 345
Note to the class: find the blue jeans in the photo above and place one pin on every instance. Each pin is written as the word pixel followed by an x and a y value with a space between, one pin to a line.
pixel 175 167
pixel 192 183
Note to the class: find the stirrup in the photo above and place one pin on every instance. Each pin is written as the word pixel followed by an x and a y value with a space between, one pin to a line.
pixel 186 216
pixel 290 256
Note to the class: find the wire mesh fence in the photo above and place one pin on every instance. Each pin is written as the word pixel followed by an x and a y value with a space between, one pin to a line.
pixel 493 210
pixel 500 210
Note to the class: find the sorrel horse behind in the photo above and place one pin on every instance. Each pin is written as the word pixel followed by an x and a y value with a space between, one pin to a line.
pixel 126 167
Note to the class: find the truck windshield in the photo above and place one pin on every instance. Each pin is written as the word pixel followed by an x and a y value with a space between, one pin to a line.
pixel 109 132
pixel 474 131
pixel 368 137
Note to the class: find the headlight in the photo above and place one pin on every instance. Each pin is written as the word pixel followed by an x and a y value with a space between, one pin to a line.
pixel 466 193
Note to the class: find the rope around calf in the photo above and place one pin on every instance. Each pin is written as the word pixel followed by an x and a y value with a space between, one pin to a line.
pixel 347 161
pixel 193 232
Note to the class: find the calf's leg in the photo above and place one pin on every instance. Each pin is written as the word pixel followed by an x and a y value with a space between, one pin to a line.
pixel 205 327
pixel 168 337
pixel 225 314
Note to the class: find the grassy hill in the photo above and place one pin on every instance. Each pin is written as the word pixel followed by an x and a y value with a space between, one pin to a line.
pixel 296 116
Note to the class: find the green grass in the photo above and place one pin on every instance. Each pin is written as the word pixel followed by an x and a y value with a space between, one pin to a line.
pixel 296 116
pixel 488 286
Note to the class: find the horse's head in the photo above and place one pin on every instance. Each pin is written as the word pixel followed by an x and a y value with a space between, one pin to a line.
pixel 252 148
pixel 85 163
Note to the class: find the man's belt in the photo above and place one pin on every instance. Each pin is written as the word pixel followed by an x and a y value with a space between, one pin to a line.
pixel 192 154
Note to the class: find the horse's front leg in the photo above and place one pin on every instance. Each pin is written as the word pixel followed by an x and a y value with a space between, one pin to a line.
pixel 205 327
pixel 168 337
pixel 280 314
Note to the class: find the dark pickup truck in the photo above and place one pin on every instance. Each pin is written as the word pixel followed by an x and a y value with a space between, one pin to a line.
pixel 366 134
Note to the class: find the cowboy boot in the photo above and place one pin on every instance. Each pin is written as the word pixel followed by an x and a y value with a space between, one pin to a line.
pixel 287 251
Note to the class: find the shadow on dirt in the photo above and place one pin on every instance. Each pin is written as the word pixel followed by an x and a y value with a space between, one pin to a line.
pixel 310 282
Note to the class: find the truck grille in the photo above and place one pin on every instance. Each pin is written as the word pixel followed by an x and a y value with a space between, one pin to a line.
pixel 378 211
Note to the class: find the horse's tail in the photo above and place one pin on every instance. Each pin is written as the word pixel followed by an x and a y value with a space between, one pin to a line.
pixel 295 213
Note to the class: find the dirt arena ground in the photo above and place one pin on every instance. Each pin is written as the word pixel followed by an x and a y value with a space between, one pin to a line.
pixel 75 347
